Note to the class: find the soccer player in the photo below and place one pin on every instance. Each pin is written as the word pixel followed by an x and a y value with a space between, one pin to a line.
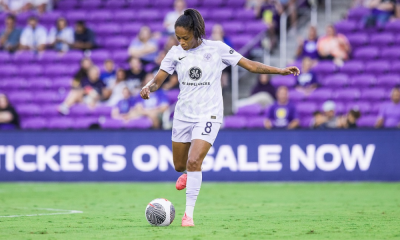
pixel 199 110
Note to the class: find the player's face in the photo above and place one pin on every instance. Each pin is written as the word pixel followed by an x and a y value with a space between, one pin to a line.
pixel 186 38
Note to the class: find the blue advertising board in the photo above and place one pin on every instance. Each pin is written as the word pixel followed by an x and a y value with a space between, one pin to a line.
pixel 302 155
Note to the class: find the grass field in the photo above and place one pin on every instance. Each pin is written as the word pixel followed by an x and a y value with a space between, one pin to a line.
pixel 223 211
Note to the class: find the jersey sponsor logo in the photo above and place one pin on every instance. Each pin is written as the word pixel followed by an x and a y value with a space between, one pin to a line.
pixel 231 51
pixel 207 57
pixel 196 84
pixel 181 58
pixel 195 73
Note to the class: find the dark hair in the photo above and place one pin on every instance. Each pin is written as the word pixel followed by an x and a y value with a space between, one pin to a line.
pixel 316 113
pixel 81 23
pixel 12 17
pixel 193 21
pixel 356 114
pixel 33 17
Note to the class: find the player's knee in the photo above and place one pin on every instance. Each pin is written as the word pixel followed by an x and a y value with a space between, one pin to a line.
pixel 180 168
pixel 194 164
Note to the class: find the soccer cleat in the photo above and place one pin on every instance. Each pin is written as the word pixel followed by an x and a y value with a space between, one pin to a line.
pixel 181 182
pixel 187 221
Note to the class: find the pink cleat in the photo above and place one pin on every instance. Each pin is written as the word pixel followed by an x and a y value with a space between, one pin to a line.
pixel 181 182
pixel 187 221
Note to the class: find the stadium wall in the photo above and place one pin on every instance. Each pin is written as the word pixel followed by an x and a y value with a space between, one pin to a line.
pixel 301 155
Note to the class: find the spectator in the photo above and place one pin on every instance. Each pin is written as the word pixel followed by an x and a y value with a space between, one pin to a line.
pixel 9 37
pixel 135 74
pixel 319 120
pixel 282 114
pixel 306 80
pixel 334 46
pixel 153 107
pixel 108 74
pixel 263 93
pixel 381 12
pixel 116 86
pixel 84 37
pixel 61 37
pixel 172 80
pixel 34 36
pixel 171 17
pixel 219 35
pixel 308 47
pixel 331 121
pixel 86 63
pixel 9 118
pixel 39 5
pixel 144 46
pixel 291 7
pixel 14 6
pixel 350 120
pixel 90 91
pixel 389 114
pixel 122 110
pixel 171 41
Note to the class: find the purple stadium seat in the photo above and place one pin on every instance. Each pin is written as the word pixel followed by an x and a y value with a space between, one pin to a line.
pixel 363 80
pixel 367 121
pixel 213 3
pixel 108 29
pixel 395 67
pixel 49 110
pixel 346 26
pixel 388 81
pixel 60 123
pixel 306 108
pixel 255 27
pixel 163 3
pixel 393 26
pixel 100 55
pixel 296 96
pixel 156 27
pixel 56 70
pixel 34 123
pixel 49 57
pixel 50 17
pixel 255 122
pixel 346 94
pixel 84 122
pixel 236 4
pixel 63 83
pixel 358 39
pixel 336 81
pixel 46 97
pixel 8 70
pixel 140 123
pixel 235 122
pixel 100 15
pixel 244 15
pixel 240 41
pixel 390 53
pixel 250 110
pixel 325 67
pixel 288 81
pixel 305 122
pixel 382 39
pixel 120 55
pixel 172 95
pixel 232 28
pixel 139 4
pixel 13 83
pixel 321 94
pixel 116 42
pixel 67 5
pixel 222 14
pixel 76 15
pixel 39 83
pixel 366 53
pixel 79 110
pixel 131 29
pixel 72 56
pixel 193 3
pixel 149 15
pixel 206 13
pixel 377 67
pixel 23 57
pixel 363 107
pixel 30 70
pixel 91 4
pixel 115 4
pixel 20 97
pixel 109 123
pixel 123 15
pixel 358 13
pixel 375 94
pixel 28 110
pixel 101 111
pixel 352 67
pixel 4 57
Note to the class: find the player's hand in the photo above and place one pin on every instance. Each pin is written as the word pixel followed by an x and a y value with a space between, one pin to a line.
pixel 290 70
pixel 145 93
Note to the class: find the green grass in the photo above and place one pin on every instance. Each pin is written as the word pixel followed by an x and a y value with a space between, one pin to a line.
pixel 223 211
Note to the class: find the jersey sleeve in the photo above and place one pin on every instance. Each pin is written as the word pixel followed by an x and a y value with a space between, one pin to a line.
pixel 168 64
pixel 229 56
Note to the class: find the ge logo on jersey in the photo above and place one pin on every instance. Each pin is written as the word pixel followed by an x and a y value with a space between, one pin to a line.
pixel 195 73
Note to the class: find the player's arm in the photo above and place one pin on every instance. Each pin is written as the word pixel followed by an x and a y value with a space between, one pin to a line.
pixel 154 84
pixel 257 67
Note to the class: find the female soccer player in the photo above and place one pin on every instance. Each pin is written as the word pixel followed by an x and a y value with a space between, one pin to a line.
pixel 199 110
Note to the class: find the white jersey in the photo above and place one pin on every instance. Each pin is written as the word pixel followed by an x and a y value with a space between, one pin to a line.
pixel 199 74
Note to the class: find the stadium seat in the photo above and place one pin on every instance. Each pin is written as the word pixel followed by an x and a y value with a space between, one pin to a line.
pixel 306 108
pixel 348 94
pixel 320 95
pixel 346 26
pixel 388 81
pixel 339 80
pixel 362 81
pixel 234 122
pixel 34 123
pixel 288 81
pixel 325 67
pixel 255 122
pixel 363 107
pixel 60 123
pixel 367 121
pixel 249 110
pixel 358 39
pixel 352 67
pixel 375 94
pixel 140 123
pixel 356 14
pixel 296 96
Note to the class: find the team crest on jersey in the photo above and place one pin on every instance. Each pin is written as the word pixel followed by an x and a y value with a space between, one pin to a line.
pixel 195 73
pixel 207 57
pixel 231 51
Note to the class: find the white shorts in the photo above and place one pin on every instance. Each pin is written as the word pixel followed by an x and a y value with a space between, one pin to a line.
pixel 183 131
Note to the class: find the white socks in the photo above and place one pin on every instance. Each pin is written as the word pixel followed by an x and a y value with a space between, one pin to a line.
pixel 193 185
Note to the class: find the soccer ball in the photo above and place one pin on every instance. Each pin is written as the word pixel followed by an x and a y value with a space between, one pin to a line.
pixel 160 212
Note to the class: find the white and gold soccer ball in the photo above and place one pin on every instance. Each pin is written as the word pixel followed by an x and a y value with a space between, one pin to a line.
pixel 160 212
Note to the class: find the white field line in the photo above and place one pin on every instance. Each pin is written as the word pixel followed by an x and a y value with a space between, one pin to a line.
pixel 58 211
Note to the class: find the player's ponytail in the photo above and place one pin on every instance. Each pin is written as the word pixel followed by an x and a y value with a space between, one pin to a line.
pixel 193 21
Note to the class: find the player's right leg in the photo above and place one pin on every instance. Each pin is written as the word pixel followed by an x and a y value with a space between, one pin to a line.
pixel 180 152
